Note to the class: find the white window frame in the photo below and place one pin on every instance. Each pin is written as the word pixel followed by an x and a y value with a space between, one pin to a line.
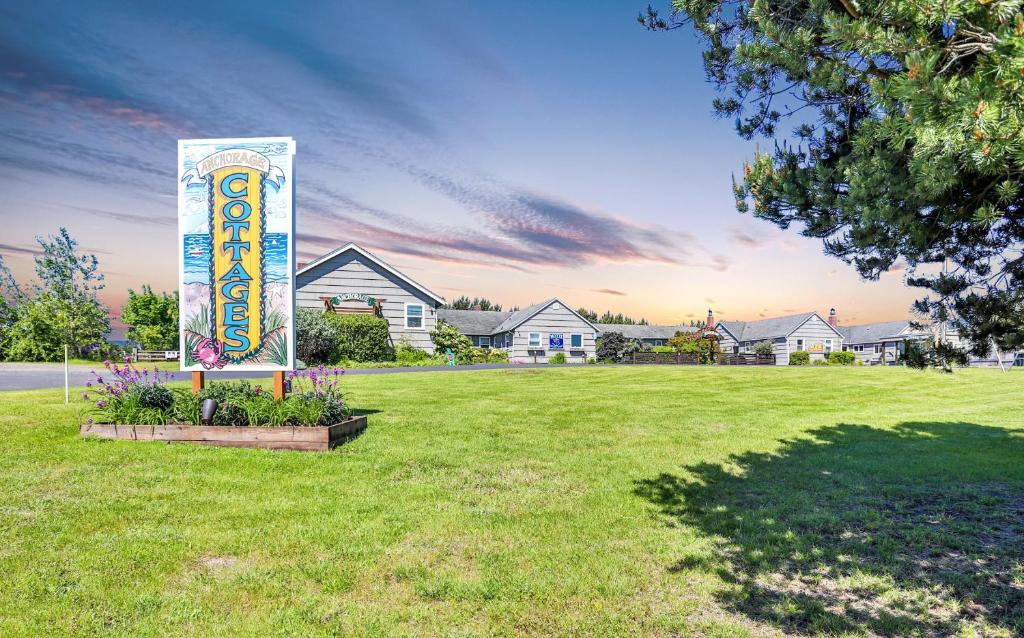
pixel 878 349
pixel 858 348
pixel 828 346
pixel 480 342
pixel 530 344
pixel 799 345
pixel 422 316
pixel 572 338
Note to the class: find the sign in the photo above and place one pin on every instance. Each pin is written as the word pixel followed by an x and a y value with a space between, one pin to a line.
pixel 236 254
pixel 353 296
pixel 815 346
pixel 556 341
pixel 449 357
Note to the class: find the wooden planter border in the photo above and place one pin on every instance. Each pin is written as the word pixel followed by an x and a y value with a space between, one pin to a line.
pixel 317 438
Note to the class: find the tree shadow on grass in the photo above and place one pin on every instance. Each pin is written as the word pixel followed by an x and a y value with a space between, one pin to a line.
pixel 917 530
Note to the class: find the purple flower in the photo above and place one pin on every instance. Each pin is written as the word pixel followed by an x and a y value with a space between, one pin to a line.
pixel 88 384
pixel 258 389
pixel 89 421
pixel 101 404
pixel 106 364
pixel 99 380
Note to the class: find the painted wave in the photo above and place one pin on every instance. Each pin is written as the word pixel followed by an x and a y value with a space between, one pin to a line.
pixel 197 258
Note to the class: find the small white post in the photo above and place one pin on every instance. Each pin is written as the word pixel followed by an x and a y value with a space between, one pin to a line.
pixel 999 356
pixel 67 388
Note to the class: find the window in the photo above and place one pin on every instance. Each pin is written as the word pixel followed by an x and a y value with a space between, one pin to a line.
pixel 534 340
pixel 828 346
pixel 484 342
pixel 576 341
pixel 858 348
pixel 799 345
pixel 878 348
pixel 414 316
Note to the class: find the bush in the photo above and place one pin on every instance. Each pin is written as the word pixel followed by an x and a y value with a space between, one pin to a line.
pixel 447 337
pixel 763 348
pixel 841 358
pixel 707 349
pixel 315 337
pixel 497 355
pixel 361 338
pixel 662 349
pixel 558 357
pixel 799 358
pixel 407 354
pixel 819 362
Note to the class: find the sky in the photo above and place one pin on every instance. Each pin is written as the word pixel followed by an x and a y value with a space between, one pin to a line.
pixel 515 151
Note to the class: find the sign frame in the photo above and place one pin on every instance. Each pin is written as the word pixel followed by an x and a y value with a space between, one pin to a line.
pixel 250 174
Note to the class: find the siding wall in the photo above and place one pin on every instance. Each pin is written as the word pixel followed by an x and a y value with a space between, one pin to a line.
pixel 869 355
pixel 814 330
pixel 351 272
pixel 555 320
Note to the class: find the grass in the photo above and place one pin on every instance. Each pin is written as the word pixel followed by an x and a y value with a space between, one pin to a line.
pixel 567 501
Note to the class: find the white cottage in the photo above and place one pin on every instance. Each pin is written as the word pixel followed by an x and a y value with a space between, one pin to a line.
pixel 352 279
pixel 807 331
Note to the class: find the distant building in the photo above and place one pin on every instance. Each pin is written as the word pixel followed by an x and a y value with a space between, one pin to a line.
pixel 649 335
pixel 883 342
pixel 807 332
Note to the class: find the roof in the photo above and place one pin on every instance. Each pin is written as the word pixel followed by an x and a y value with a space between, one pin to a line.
pixel 768 328
pixel 375 259
pixel 873 332
pixel 473 322
pixel 636 331
pixel 520 317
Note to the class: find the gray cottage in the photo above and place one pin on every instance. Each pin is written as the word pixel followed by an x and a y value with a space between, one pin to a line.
pixel 883 342
pixel 352 279
pixel 807 331
pixel 533 334
pixel 649 335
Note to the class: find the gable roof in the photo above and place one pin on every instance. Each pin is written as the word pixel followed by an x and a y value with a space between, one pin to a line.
pixel 375 259
pixel 520 317
pixel 473 322
pixel 769 328
pixel 872 332
pixel 636 331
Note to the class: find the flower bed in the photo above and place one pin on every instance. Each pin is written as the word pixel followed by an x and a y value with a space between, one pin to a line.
pixel 133 403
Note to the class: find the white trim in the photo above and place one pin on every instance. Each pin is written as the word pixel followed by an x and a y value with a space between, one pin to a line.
pixel 529 341
pixel 422 315
pixel 571 346
pixel 823 320
pixel 375 259
pixel 480 341
pixel 541 308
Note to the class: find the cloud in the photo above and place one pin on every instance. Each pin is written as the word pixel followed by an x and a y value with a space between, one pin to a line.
pixel 129 218
pixel 745 239
pixel 609 291
pixel 20 250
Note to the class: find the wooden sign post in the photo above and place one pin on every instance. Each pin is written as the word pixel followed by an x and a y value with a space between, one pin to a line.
pixel 198 382
pixel 279 386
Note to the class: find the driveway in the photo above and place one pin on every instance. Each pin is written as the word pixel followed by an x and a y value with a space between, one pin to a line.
pixel 31 376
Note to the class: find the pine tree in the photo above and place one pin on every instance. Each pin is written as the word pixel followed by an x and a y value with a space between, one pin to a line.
pixel 907 145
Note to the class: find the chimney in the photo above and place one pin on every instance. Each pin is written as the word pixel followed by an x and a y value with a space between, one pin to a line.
pixel 832 319
pixel 710 323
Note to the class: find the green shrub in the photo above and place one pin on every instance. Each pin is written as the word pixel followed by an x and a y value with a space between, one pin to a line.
pixel 841 358
pixel 478 355
pixel 361 338
pixel 764 348
pixel 662 349
pixel 799 358
pixel 315 336
pixel 558 357
pixel 447 337
pixel 407 354
pixel 497 355
pixel 819 362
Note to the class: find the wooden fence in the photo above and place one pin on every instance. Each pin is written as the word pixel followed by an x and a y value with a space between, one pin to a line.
pixel 664 358
pixel 156 355
pixel 746 359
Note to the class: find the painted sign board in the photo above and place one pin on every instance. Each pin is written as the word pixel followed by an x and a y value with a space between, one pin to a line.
pixel 556 341
pixel 236 229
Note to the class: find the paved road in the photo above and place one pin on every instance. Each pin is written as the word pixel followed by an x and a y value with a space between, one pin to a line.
pixel 30 376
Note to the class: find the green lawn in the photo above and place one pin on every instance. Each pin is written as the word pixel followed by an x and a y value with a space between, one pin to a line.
pixel 581 501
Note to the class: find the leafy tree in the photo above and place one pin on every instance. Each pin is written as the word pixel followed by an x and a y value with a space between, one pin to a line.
pixel 476 303
pixel 153 319
pixel 707 349
pixel 907 142
pixel 447 337
pixel 65 310
pixel 614 347
pixel 763 348
pixel 10 298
